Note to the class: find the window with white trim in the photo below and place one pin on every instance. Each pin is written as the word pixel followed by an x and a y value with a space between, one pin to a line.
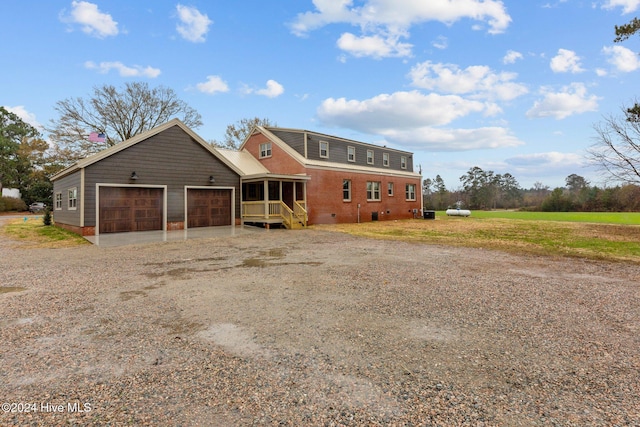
pixel 370 157
pixel 324 149
pixel 403 162
pixel 346 190
pixel 265 150
pixel 73 198
pixel 410 191
pixel 373 190
pixel 385 159
pixel 58 205
pixel 351 154
pixel 390 188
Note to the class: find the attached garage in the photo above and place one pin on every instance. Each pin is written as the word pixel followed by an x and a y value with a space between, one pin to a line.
pixel 124 209
pixel 165 179
pixel 208 207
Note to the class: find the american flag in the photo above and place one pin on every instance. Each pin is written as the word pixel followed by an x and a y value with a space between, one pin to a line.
pixel 97 137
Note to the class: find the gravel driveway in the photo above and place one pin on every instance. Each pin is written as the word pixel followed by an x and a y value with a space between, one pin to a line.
pixel 315 328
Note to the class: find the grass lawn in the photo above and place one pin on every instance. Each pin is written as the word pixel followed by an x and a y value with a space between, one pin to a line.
pixel 595 236
pixel 32 233
pixel 629 218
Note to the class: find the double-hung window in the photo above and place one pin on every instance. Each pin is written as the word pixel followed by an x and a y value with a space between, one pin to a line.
pixel 385 159
pixel 73 198
pixel 370 157
pixel 265 150
pixel 410 191
pixel 373 190
pixel 403 162
pixel 351 154
pixel 390 189
pixel 58 201
pixel 346 190
pixel 324 149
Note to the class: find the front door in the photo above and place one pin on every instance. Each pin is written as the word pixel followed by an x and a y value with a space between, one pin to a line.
pixel 287 194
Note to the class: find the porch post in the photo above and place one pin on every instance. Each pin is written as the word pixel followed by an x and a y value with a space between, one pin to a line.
pixel 266 199
pixel 304 195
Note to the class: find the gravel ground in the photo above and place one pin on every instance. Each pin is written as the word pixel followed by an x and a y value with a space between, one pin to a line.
pixel 315 328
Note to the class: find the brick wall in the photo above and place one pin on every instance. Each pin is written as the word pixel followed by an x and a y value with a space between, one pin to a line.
pixel 326 204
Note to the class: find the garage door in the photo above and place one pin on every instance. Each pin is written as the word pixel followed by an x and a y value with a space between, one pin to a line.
pixel 123 209
pixel 208 207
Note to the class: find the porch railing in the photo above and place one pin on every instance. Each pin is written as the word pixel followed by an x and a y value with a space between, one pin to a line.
pixel 276 210
pixel 300 211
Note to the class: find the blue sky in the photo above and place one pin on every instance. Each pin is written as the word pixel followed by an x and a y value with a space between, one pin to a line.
pixel 509 86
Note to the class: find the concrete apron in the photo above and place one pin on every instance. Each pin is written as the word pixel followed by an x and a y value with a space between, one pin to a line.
pixel 141 237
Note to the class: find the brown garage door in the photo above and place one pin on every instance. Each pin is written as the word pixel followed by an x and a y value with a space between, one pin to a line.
pixel 208 207
pixel 125 209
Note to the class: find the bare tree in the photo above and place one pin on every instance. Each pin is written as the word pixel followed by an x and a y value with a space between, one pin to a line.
pixel 236 133
pixel 617 150
pixel 114 115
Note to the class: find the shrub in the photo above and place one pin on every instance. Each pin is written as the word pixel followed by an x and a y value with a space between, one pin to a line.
pixel 12 204
pixel 46 218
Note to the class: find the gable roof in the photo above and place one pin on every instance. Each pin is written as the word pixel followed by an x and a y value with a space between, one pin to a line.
pixel 83 163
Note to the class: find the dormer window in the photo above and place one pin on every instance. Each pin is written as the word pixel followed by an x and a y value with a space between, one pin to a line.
pixel 351 154
pixel 370 157
pixel 324 149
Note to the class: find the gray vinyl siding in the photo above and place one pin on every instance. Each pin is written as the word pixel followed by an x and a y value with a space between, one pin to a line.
pixel 62 185
pixel 169 158
pixel 294 140
pixel 338 150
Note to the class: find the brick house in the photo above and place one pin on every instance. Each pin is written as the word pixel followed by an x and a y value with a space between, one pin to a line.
pixel 348 181
pixel 169 178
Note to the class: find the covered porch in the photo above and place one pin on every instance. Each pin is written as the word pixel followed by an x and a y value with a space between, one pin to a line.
pixel 274 200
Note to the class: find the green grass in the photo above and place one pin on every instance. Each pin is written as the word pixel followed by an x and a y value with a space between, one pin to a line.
pixel 34 234
pixel 592 236
pixel 630 218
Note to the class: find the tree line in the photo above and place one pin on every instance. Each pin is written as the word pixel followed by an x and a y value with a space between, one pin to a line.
pixel 486 190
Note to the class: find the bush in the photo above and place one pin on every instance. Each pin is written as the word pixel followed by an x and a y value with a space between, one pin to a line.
pixel 46 219
pixel 12 204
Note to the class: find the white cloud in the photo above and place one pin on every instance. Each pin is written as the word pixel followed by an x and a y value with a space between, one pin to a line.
pixel 411 119
pixel 441 42
pixel 123 70
pixel 623 59
pixel 212 85
pixel 273 89
pixel 375 46
pixel 566 61
pixel 628 6
pixel 384 22
pixel 193 25
pixel 478 80
pixel 511 57
pixel 435 139
pixel 550 164
pixel 25 115
pixel 400 109
pixel 573 99
pixel 546 159
pixel 92 20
